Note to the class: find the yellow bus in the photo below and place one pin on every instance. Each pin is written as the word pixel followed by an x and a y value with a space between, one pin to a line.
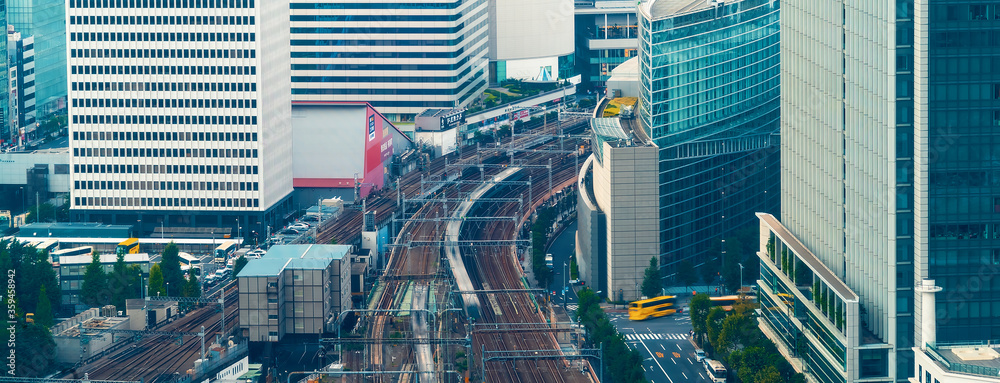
pixel 128 246
pixel 224 251
pixel 653 307
pixel 727 302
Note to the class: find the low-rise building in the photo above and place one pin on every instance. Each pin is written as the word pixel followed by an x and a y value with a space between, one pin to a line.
pixel 293 289
pixel 145 314
pixel 73 268
pixel 80 337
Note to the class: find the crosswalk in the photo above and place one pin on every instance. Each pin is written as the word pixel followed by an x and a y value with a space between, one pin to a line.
pixel 571 307
pixel 655 336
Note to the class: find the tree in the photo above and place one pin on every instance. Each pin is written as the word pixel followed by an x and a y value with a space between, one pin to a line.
pixel 119 283
pixel 156 281
pixel 685 273
pixel 713 325
pixel 43 312
pixel 698 309
pixel 239 264
pixel 94 292
pixel 191 288
pixel 652 286
pixel 47 212
pixel 170 266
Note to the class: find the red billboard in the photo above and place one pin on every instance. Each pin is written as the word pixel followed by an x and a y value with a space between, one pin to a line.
pixel 378 151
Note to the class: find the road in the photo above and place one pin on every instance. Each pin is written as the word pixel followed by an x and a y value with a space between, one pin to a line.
pixel 562 249
pixel 667 352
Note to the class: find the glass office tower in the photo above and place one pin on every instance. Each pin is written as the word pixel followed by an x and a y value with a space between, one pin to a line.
pixel 708 98
pixel 46 21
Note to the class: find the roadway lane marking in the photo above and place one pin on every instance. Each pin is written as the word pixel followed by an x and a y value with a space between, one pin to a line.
pixel 702 376
pixel 663 347
pixel 690 361
pixel 673 360
pixel 679 347
pixel 657 361
pixel 685 375
pixel 659 354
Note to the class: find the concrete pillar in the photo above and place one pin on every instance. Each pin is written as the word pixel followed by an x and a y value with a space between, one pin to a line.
pixel 928 329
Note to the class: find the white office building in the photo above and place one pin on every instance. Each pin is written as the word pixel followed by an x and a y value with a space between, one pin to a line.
pixel 179 110
pixel 400 57
pixel 531 40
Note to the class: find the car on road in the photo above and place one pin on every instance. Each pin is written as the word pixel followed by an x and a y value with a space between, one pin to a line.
pixel 574 282
pixel 699 354
pixel 255 254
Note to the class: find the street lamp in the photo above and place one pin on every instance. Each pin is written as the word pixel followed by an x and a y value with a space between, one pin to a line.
pixel 168 289
pixel 741 277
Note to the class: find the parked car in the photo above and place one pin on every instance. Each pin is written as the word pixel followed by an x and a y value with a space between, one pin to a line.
pixel 301 226
pixel 255 254
pixel 288 231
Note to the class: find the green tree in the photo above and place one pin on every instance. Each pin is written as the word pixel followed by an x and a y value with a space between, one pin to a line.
pixel 43 312
pixel 94 292
pixel 35 349
pixel 170 265
pixel 685 273
pixel 713 325
pixel 652 285
pixel 119 283
pixel 698 310
pixel 156 286
pixel 769 374
pixel 191 288
pixel 239 264
pixel 48 213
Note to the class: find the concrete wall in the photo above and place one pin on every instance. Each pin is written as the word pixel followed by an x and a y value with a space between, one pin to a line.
pixel 591 253
pixel 626 187
pixel 14 167
pixel 521 29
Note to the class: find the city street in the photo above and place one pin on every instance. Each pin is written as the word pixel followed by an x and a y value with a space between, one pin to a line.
pixel 667 352
pixel 562 249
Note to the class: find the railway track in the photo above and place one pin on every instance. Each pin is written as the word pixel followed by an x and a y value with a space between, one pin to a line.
pixel 159 358
pixel 407 268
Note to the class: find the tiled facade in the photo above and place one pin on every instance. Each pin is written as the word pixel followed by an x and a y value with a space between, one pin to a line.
pixel 173 110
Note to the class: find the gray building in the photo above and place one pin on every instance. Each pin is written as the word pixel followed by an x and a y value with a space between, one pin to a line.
pixel 294 289
pixel 617 232
pixel 891 175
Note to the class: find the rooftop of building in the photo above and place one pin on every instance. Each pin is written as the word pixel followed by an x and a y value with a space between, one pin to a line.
pixel 281 257
pixel 358 268
pixel 96 323
pixel 807 256
pixel 437 112
pixel 659 9
pixel 978 359
pixel 105 258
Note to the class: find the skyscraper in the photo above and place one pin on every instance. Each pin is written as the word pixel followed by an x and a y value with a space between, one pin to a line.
pixel 179 111
pixel 708 99
pixel 890 176
pixel 400 57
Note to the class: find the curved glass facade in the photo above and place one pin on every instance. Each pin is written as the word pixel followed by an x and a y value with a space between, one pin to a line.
pixel 709 99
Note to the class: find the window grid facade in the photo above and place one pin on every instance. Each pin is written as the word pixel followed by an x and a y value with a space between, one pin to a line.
pixel 178 105
pixel 402 58
pixel 709 100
